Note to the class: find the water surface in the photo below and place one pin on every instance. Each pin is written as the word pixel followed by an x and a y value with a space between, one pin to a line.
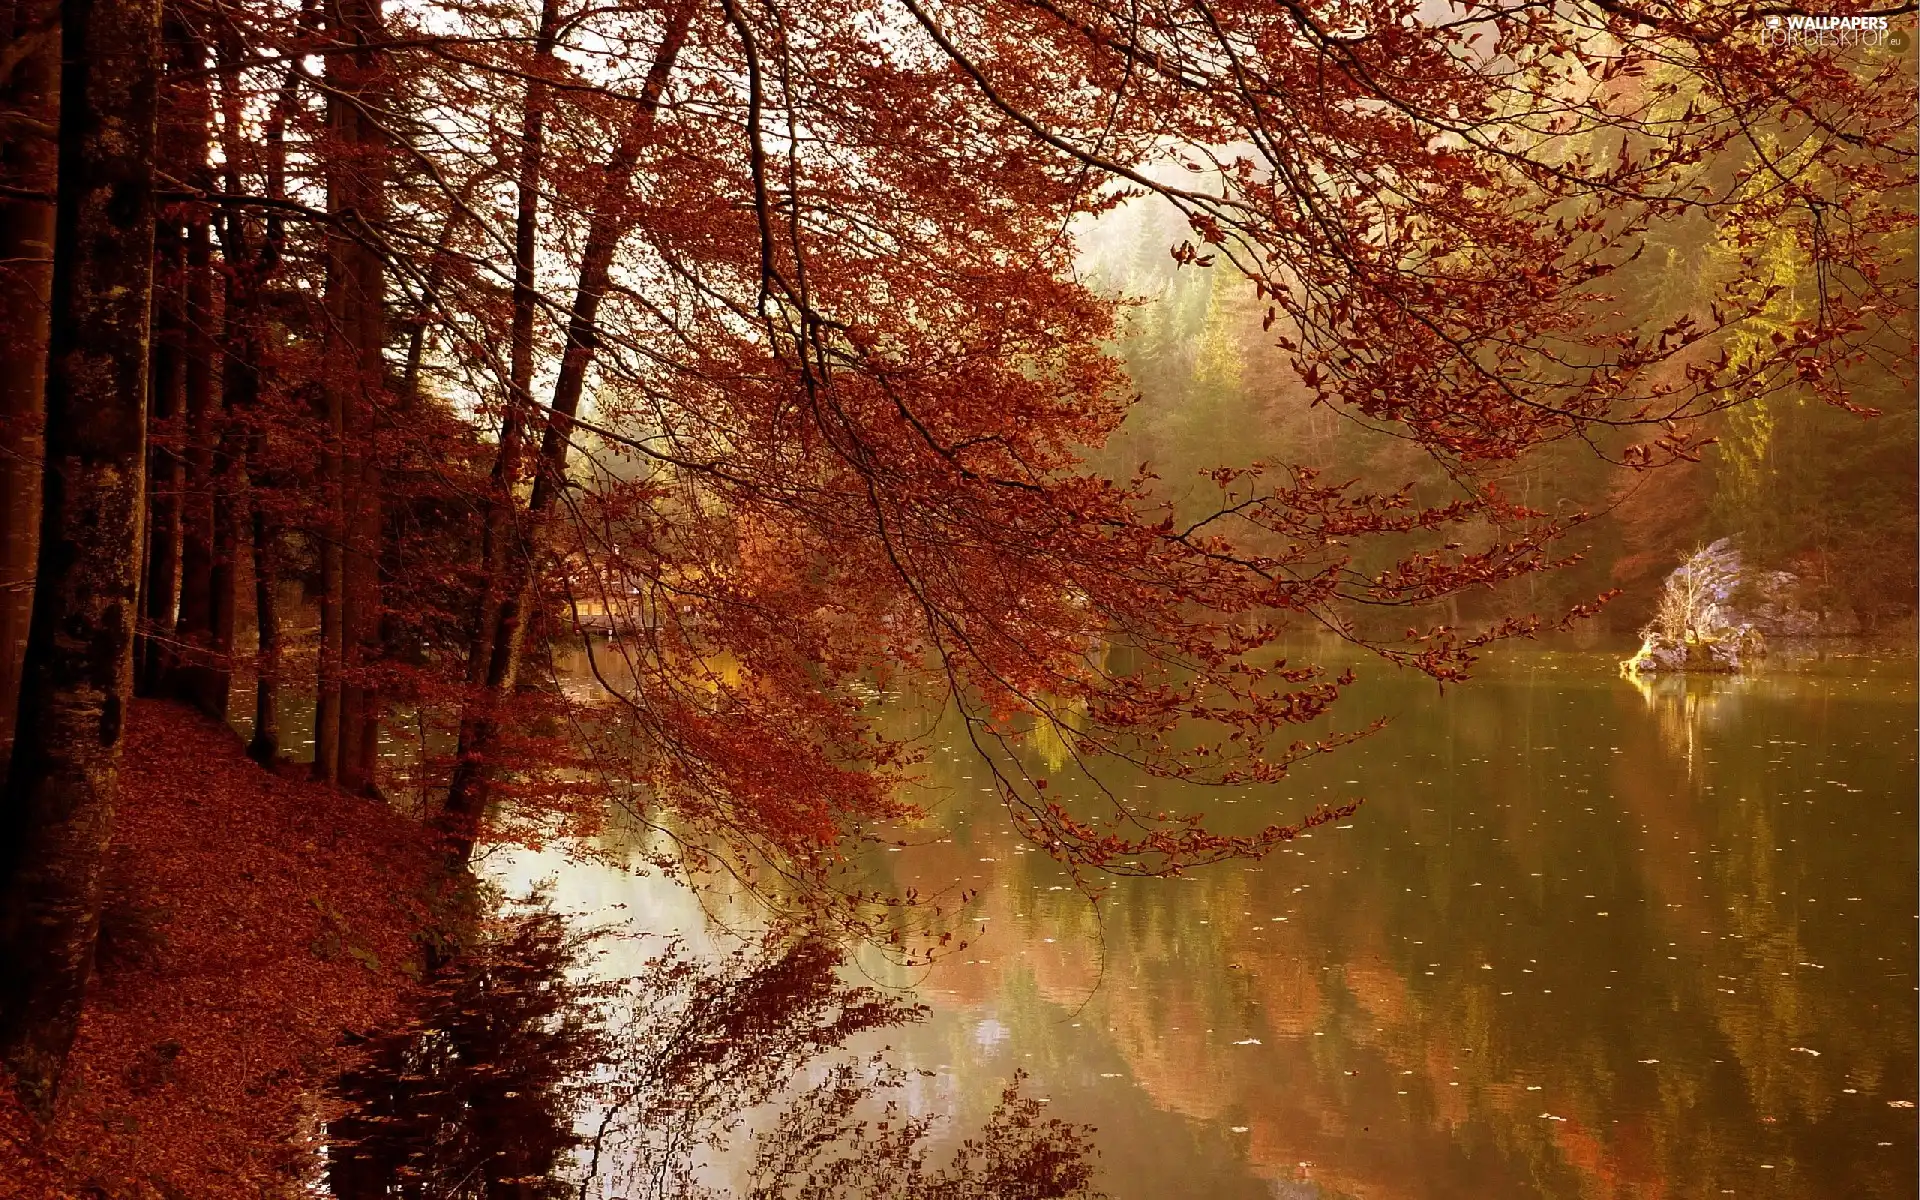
pixel 1585 938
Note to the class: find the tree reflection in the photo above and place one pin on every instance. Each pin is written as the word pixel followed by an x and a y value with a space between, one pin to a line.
pixel 1547 908
pixel 526 1079
pixel 821 1148
pixel 476 1097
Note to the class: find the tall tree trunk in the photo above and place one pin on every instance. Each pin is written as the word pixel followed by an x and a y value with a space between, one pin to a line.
pixel 326 707
pixel 494 657
pixel 245 352
pixel 157 664
pixel 205 623
pixel 264 746
pixel 27 167
pixel 166 473
pixel 497 531
pixel 245 347
pixel 357 319
pixel 362 631
pixel 213 682
pixel 193 624
pixel 78 676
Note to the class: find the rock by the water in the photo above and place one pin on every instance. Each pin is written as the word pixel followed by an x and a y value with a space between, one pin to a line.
pixel 1659 653
pixel 1714 615
pixel 1776 610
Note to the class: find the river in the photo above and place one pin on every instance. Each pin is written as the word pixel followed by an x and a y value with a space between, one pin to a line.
pixel 1584 938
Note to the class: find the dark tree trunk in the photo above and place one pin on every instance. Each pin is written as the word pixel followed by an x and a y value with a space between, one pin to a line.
pixel 347 727
pixel 194 623
pixel 157 664
pixel 205 623
pixel 326 707
pixel 494 664
pixel 78 676
pixel 245 351
pixel 166 473
pixel 360 582
pixel 27 168
pixel 245 313
pixel 264 746
pixel 213 681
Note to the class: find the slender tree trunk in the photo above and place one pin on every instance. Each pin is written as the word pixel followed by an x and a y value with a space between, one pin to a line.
pixel 208 534
pixel 27 168
pixel 167 390
pixel 360 577
pixel 246 352
pixel 357 316
pixel 213 682
pixel 360 739
pixel 359 698
pixel 326 709
pixel 497 531
pixel 342 368
pixel 58 808
pixel 264 746
pixel 193 624
pixel 494 657
pixel 204 602
pixel 157 663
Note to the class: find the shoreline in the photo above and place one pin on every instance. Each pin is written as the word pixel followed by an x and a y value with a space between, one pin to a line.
pixel 258 927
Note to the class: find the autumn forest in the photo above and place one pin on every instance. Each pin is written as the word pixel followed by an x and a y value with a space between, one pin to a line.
pixel 581 582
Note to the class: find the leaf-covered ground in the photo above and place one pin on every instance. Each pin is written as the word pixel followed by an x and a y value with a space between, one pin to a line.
pixel 258 924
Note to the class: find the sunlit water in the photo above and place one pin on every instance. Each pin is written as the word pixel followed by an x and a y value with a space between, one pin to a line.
pixel 1586 938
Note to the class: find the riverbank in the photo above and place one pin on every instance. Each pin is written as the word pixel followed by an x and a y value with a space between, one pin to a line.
pixel 258 926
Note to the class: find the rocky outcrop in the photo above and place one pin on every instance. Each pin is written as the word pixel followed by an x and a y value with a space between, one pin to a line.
pixel 1715 615
pixel 1775 610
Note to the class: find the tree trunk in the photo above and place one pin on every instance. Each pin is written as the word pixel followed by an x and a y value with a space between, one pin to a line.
pixel 246 351
pixel 357 319
pixel 326 707
pixel 494 657
pixel 245 324
pixel 264 746
pixel 78 673
pixel 497 531
pixel 213 681
pixel 198 675
pixel 27 168
pixel 205 623
pixel 158 665
pixel 193 625
pixel 167 390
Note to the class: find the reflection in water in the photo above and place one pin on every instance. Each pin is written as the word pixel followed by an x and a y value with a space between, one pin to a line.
pixel 1580 942
pixel 476 1098
pixel 705 1040
pixel 823 1147
pixel 1688 705
pixel 526 1077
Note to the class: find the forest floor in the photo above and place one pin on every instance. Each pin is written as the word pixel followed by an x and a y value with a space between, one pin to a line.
pixel 259 926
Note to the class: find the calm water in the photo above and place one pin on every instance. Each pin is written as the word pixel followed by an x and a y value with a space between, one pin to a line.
pixel 1584 939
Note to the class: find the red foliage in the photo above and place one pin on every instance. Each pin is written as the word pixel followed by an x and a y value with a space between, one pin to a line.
pixel 817 374
pixel 254 920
